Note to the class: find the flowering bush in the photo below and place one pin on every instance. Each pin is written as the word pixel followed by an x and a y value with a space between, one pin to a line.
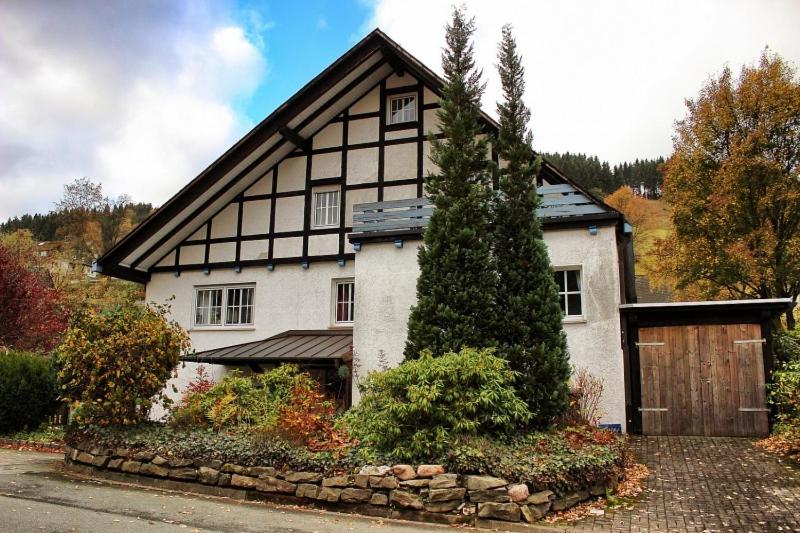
pixel 115 364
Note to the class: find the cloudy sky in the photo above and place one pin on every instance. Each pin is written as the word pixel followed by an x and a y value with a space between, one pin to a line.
pixel 142 96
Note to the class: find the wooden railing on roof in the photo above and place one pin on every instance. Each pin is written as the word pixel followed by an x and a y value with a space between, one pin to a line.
pixel 557 201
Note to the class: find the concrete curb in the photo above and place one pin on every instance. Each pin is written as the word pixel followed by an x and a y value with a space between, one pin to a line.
pixel 398 515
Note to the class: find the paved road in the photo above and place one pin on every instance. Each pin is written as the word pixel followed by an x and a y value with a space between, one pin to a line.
pixel 35 496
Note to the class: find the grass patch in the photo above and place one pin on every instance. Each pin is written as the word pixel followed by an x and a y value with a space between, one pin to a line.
pixel 45 433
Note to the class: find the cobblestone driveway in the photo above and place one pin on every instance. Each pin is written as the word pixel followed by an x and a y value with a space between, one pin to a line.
pixel 708 484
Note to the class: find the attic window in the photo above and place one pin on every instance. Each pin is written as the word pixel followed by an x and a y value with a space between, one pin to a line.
pixel 402 109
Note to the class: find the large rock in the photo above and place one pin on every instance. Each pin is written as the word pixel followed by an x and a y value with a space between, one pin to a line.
pixel 532 513
pixel 379 498
pixel 122 452
pixel 518 493
pixel 405 499
pixel 404 472
pixel 329 494
pixel 152 469
pixel 493 495
pixel 538 498
pixel 336 481
pixel 500 511
pixel 446 495
pixel 132 467
pixel 389 482
pixel 143 456
pixel 307 490
pixel 374 470
pixel 361 480
pixel 484 482
pixel 243 482
pixel 101 461
pixel 569 500
pixel 159 461
pixel 208 475
pixel 429 470
pixel 216 464
pixel 179 462
pixel 224 479
pixel 443 507
pixel 352 495
pixel 303 477
pixel 183 474
pixel 230 468
pixel 444 481
pixel 414 483
pixel 115 464
pixel 85 458
pixel 273 484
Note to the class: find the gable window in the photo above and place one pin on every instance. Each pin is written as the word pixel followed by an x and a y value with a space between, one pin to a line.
pixel 238 303
pixel 344 292
pixel 326 208
pixel 403 109
pixel 569 291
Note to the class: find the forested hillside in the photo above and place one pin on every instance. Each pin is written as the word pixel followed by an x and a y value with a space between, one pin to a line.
pixel 643 175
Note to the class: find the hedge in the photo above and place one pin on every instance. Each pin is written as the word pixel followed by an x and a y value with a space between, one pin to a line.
pixel 28 390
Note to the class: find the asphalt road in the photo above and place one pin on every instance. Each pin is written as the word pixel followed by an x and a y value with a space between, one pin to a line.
pixel 36 496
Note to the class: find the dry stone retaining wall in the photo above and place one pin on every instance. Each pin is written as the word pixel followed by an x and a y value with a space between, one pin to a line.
pixel 425 493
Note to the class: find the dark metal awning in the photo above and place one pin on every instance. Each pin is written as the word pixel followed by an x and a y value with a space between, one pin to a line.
pixel 289 346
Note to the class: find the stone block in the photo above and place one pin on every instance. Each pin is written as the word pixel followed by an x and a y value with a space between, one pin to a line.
pixel 353 495
pixel 243 482
pixel 443 507
pixel 183 473
pixel 143 456
pixel 258 471
pixel 444 481
pixel 115 464
pixel 429 470
pixel 374 470
pixel 154 470
pixel 274 484
pixel 361 480
pixel 101 461
pixel 179 462
pixel 532 513
pixel 122 452
pixel 508 512
pixel 132 467
pixel 230 468
pixel 415 483
pixel 598 490
pixel 494 495
pixel 388 482
pixel 85 458
pixel 208 475
pixel 446 495
pixel 224 479
pixel 405 499
pixel 303 477
pixel 329 494
pixel 404 472
pixel 379 498
pixel 484 482
pixel 307 490
pixel 336 481
pixel 159 461
pixel 538 498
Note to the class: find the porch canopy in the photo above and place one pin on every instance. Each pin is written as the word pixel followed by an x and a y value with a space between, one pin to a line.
pixel 299 346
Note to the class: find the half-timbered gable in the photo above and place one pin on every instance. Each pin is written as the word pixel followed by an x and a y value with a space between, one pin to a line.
pixel 300 242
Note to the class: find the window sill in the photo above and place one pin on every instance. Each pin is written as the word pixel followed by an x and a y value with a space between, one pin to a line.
pixel 222 328
pixel 341 325
pixel 575 319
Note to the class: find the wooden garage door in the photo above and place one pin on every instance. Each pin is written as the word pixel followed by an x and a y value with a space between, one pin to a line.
pixel 703 380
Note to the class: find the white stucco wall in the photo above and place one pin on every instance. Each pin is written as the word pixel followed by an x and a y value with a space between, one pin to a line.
pixel 386 290
pixel 289 297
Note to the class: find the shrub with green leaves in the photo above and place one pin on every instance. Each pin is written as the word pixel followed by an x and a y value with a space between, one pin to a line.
pixel 240 401
pixel 785 393
pixel 786 345
pixel 414 411
pixel 28 390
pixel 116 363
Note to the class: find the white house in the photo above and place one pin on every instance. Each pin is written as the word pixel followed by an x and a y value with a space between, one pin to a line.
pixel 300 242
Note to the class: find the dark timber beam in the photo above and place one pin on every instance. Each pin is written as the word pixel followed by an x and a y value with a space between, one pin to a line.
pixel 293 137
pixel 395 62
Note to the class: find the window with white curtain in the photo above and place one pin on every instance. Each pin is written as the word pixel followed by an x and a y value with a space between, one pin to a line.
pixel 326 208
pixel 224 306
pixel 403 109
pixel 344 292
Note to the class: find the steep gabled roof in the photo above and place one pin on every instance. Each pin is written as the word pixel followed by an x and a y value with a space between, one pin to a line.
pixel 284 130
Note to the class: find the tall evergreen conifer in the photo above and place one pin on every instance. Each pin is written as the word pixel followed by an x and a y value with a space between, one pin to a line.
pixel 457 282
pixel 528 315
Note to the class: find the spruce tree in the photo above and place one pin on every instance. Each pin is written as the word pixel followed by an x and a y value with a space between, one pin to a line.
pixel 529 317
pixel 457 282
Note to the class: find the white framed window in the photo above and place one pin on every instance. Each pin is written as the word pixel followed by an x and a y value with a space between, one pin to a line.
pixel 326 208
pixel 344 297
pixel 402 109
pixel 224 306
pixel 570 292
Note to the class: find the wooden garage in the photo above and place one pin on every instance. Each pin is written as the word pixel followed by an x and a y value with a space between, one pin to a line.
pixel 700 368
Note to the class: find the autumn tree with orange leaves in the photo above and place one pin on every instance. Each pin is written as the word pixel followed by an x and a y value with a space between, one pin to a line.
pixel 733 182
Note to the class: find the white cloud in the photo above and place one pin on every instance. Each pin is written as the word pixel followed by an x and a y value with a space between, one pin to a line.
pixel 141 106
pixel 607 78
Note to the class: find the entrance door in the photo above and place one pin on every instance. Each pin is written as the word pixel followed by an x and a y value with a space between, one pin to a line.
pixel 703 380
